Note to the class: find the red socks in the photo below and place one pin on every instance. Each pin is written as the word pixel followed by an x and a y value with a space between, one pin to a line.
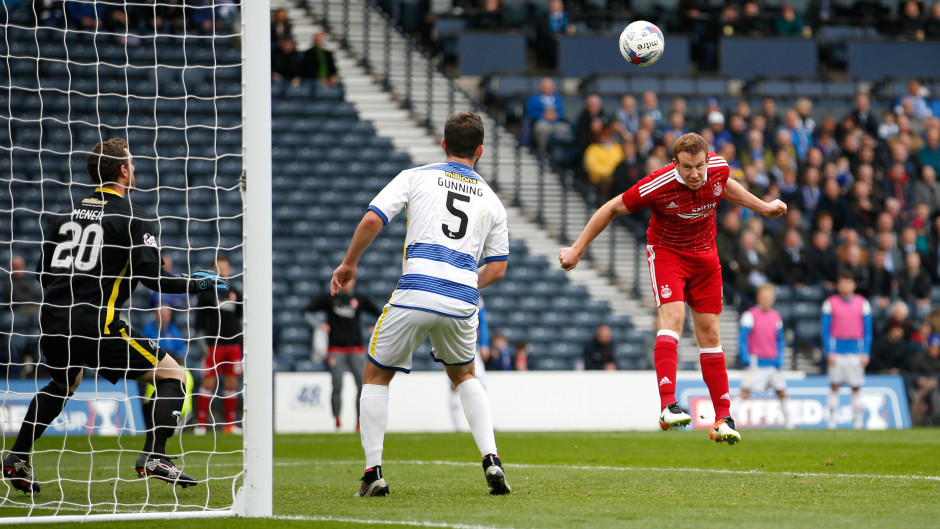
pixel 665 356
pixel 715 374
pixel 230 402
pixel 202 405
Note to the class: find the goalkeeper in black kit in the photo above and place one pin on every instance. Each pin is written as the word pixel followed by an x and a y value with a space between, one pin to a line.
pixel 94 254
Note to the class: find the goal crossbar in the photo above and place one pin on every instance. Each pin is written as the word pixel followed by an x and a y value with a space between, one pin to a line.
pixel 255 497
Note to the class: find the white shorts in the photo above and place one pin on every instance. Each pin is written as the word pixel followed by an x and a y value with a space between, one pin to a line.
pixel 400 331
pixel 848 371
pixel 761 378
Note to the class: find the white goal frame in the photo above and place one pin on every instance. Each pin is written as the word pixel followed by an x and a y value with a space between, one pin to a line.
pixel 255 497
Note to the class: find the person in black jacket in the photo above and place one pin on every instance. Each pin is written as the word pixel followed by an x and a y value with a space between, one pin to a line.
pixel 344 326
pixel 823 261
pixel 833 202
pixel 285 62
pixel 219 317
pixel 600 354
pixel 318 63
pixel 914 282
pixel 882 281
pixel 890 351
pixel 790 266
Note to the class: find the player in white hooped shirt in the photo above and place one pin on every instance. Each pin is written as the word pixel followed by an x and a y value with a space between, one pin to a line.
pixel 454 220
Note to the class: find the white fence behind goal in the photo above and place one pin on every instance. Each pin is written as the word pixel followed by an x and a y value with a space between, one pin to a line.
pixel 180 96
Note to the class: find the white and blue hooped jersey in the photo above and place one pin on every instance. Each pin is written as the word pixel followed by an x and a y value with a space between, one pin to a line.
pixel 454 219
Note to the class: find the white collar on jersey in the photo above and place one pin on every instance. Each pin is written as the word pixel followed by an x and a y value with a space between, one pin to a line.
pixel 681 181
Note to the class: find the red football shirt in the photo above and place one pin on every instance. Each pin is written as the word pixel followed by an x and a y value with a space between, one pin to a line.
pixel 682 219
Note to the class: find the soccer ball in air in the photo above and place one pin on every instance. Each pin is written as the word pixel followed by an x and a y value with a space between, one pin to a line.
pixel 642 43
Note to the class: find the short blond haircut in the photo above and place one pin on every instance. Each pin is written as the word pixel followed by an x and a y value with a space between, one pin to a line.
pixel 767 287
pixel 691 143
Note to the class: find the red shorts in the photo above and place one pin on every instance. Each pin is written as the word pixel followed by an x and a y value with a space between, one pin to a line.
pixel 678 275
pixel 224 360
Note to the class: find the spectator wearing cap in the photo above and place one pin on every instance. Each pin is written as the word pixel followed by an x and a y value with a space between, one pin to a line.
pixel 891 351
pixel 546 109
pixel 721 135
pixel 627 114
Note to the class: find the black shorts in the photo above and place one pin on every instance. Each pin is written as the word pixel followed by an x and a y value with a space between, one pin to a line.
pixel 120 354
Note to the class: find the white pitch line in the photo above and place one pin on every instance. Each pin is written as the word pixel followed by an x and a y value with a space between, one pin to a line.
pixel 385 522
pixel 636 469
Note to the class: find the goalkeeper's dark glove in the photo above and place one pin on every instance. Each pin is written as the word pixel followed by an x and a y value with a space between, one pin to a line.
pixel 206 280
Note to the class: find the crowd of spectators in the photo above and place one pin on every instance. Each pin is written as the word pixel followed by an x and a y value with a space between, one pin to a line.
pixel 861 188
pixel 291 66
pixel 706 21
pixel 133 17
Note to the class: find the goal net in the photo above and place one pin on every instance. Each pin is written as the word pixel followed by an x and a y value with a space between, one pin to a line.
pixel 166 76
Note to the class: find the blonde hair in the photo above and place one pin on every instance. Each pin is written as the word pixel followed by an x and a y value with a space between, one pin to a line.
pixel 691 143
pixel 767 287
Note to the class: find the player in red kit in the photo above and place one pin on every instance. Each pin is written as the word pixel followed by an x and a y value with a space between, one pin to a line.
pixel 683 264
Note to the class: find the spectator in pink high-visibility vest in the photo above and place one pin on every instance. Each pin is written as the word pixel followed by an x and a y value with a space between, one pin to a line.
pixel 761 345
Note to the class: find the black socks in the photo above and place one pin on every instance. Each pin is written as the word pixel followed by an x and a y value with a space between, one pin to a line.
pixel 44 408
pixel 163 414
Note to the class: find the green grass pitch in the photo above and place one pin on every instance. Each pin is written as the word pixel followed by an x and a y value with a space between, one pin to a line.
pixel 583 480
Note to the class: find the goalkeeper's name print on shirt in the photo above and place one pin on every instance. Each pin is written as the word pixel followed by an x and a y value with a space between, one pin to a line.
pixel 92 258
pixel 454 220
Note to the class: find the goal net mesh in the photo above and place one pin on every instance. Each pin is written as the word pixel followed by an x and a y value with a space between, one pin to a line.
pixel 165 75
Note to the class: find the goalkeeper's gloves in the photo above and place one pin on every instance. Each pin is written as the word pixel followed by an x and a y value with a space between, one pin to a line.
pixel 206 280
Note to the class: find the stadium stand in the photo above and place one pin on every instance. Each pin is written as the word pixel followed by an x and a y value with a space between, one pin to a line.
pixel 322 196
pixel 327 165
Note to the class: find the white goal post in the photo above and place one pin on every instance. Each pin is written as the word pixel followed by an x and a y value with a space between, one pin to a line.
pixel 252 494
